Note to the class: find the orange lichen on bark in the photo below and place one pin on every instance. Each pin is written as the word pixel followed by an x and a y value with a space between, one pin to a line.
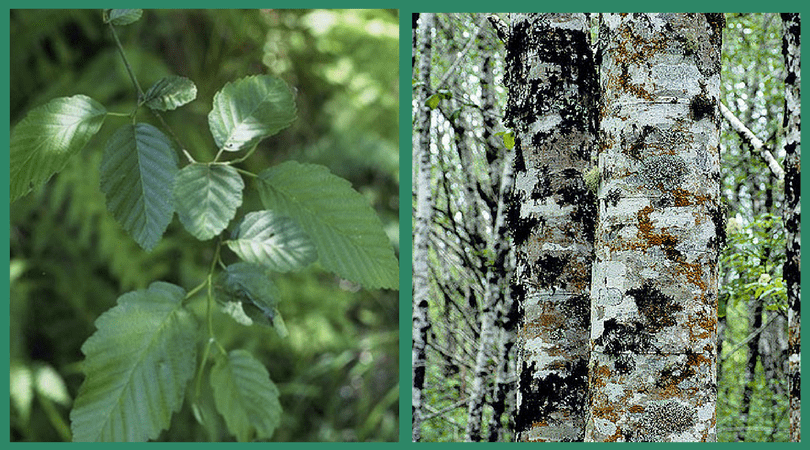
pixel 694 274
pixel 686 198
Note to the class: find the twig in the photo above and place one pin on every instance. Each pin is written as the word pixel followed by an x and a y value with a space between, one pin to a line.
pixel 749 137
pixel 751 336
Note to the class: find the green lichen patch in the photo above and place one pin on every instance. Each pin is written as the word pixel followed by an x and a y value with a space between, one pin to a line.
pixel 662 419
pixel 665 172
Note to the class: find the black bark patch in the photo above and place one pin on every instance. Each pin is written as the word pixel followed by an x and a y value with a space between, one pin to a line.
pixel 542 188
pixel 668 244
pixel 796 391
pixel 718 215
pixel 548 268
pixel 676 373
pixel 573 191
pixel 520 228
pixel 520 163
pixel 578 307
pixel 658 309
pixel 625 364
pixel 613 196
pixel 543 396
pixel 618 338
pixel 635 141
pixel 700 107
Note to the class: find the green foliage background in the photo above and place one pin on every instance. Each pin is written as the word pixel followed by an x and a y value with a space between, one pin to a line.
pixel 337 371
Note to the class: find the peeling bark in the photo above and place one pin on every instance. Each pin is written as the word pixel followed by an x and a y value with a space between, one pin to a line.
pixel 792 123
pixel 551 107
pixel 421 231
pixel 652 369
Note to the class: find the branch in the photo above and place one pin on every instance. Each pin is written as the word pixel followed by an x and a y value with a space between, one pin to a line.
pixel 750 337
pixel 453 406
pixel 436 413
pixel 500 27
pixel 751 139
pixel 460 56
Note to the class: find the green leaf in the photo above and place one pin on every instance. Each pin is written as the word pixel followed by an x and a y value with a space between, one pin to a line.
pixel 245 396
pixel 274 241
pixel 509 140
pixel 170 93
pixel 48 136
pixel 137 176
pixel 137 366
pixel 433 101
pixel 249 296
pixel 249 110
pixel 206 197
pixel 22 389
pixel 50 385
pixel 120 17
pixel 348 234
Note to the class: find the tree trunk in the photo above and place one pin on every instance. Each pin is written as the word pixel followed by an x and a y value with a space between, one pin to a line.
pixel 421 232
pixel 551 107
pixel 791 272
pixel 655 281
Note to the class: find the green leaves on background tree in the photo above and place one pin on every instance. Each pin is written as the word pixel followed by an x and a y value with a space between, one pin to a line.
pixel 274 241
pixel 249 110
pixel 137 366
pixel 249 297
pixel 245 396
pixel 170 93
pixel 346 231
pixel 121 17
pixel 206 197
pixel 48 136
pixel 137 176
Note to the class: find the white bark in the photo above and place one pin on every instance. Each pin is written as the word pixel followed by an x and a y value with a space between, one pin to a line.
pixel 756 143
pixel 421 232
pixel 655 282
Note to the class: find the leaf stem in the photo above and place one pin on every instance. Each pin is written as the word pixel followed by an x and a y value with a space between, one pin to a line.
pixel 246 173
pixel 247 155
pixel 140 94
pixel 199 287
pixel 126 63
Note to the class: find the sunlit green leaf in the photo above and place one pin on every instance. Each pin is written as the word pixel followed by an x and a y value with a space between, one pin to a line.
pixel 22 389
pixel 274 241
pixel 206 197
pixel 50 385
pixel 245 396
pixel 433 101
pixel 170 92
pixel 509 140
pixel 137 366
pixel 48 136
pixel 137 176
pixel 120 17
pixel 348 234
pixel 249 110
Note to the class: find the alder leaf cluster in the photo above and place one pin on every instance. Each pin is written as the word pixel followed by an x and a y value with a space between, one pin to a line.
pixel 141 364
